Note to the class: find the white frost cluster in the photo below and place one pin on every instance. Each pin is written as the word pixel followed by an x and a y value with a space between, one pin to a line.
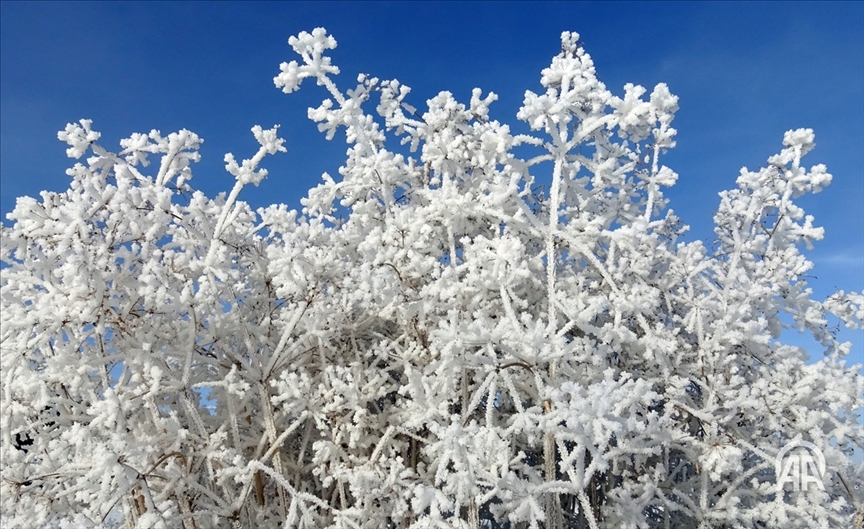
pixel 445 336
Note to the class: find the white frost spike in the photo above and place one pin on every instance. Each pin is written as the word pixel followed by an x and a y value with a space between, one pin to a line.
pixel 79 137
pixel 311 48
pixel 248 172
pixel 569 42
pixel 268 139
pixel 179 149
pixel 803 138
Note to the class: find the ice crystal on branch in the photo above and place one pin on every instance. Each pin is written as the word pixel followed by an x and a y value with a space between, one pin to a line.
pixel 457 350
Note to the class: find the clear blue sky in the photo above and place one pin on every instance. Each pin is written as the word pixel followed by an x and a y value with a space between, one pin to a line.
pixel 744 72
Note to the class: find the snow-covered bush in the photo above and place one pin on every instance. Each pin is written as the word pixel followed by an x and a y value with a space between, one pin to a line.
pixel 435 340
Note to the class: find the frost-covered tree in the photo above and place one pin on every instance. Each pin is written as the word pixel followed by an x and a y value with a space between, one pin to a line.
pixel 435 340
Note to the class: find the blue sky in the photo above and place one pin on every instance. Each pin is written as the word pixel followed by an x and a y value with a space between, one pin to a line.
pixel 744 72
